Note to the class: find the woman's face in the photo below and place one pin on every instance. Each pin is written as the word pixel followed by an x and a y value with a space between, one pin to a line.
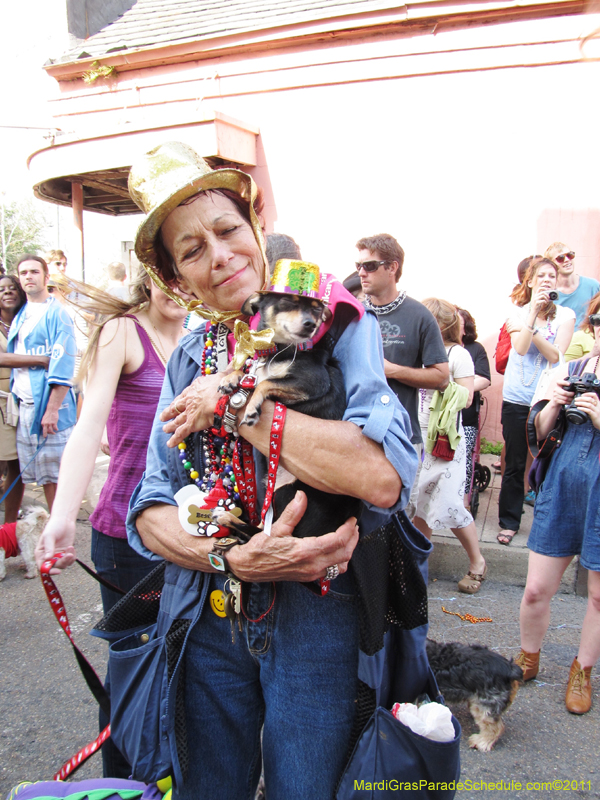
pixel 544 278
pixel 215 251
pixel 167 307
pixel 462 325
pixel 9 296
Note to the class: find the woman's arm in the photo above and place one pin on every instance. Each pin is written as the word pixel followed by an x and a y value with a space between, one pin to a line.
pixel 468 383
pixel 557 398
pixel 325 454
pixel 279 556
pixel 481 383
pixel 522 336
pixel 79 457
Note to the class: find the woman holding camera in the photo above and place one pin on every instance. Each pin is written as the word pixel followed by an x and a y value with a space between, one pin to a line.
pixel 572 483
pixel 540 332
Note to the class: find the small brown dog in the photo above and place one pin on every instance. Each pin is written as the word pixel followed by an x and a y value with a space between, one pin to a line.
pixel 485 680
pixel 23 540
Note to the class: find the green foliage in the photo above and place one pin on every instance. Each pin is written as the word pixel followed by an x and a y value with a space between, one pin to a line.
pixel 490 447
pixel 22 230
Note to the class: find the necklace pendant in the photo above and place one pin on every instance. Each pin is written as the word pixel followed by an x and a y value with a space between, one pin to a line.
pixel 194 516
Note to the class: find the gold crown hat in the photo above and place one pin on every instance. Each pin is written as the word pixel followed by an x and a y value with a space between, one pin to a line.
pixel 159 182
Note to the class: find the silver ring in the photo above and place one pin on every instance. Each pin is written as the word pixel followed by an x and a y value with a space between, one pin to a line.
pixel 332 573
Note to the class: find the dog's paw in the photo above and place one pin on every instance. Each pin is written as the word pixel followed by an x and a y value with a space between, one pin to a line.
pixel 30 575
pixel 479 742
pixel 251 417
pixel 230 383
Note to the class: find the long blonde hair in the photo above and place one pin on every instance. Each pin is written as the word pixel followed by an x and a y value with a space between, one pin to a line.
pixel 100 307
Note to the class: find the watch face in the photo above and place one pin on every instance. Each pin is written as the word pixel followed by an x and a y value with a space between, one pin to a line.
pixel 216 561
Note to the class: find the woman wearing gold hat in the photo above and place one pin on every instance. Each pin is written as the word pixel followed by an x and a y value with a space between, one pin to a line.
pixel 287 659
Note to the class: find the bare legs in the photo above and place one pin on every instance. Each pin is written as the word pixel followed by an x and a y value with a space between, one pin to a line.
pixel 543 580
pixel 467 536
pixel 589 646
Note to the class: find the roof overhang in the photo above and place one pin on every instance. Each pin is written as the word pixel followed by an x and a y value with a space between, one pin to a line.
pixel 101 163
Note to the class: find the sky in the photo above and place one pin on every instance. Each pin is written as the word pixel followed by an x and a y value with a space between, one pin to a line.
pixel 25 85
pixel 26 89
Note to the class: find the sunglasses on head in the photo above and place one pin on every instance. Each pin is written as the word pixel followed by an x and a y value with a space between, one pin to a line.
pixel 369 266
pixel 565 257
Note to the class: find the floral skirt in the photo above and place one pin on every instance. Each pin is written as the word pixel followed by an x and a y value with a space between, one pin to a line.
pixel 442 489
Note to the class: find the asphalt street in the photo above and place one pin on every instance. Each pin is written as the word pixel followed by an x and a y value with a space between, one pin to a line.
pixel 48 712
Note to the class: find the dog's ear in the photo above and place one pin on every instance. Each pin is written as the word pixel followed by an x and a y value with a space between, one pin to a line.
pixel 327 314
pixel 251 305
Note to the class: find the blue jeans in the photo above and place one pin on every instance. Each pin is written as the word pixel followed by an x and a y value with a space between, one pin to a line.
pixel 118 563
pixel 295 672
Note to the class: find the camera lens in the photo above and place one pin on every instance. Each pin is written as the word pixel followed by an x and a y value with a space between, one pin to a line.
pixel 576 416
pixel 553 295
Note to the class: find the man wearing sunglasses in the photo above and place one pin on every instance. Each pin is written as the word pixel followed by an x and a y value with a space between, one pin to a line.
pixel 413 350
pixel 574 291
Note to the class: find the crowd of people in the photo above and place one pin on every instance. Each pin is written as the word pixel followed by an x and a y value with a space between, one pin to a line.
pixel 413 373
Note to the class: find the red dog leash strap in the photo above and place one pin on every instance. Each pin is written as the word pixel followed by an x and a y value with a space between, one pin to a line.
pixel 274 453
pixel 83 755
pixel 57 606
pixel 243 469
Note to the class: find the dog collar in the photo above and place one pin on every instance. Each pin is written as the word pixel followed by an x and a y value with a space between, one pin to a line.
pixel 308 345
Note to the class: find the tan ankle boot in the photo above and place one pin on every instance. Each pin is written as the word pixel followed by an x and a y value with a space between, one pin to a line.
pixel 578 698
pixel 529 663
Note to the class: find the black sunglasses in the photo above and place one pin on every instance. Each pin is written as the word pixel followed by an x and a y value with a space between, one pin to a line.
pixel 369 266
pixel 595 320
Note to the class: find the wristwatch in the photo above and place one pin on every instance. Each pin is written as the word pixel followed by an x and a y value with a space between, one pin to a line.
pixel 217 558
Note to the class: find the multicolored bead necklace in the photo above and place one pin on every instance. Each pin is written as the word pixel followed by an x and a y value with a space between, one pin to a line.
pixel 218 481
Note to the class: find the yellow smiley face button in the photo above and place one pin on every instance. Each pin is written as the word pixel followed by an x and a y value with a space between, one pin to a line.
pixel 217 602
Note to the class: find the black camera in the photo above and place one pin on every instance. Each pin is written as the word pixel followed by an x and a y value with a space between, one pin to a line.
pixel 580 384
pixel 553 295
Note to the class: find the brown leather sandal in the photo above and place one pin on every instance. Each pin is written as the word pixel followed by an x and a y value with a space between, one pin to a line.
pixel 471 583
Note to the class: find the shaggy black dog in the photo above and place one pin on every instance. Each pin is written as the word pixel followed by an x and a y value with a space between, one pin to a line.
pixel 487 681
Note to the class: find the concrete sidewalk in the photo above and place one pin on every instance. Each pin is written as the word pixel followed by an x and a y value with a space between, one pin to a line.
pixel 506 564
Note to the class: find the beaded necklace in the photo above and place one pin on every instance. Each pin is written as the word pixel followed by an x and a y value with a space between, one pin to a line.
pixel 217 486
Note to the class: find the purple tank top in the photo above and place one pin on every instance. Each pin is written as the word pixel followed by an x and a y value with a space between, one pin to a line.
pixel 128 427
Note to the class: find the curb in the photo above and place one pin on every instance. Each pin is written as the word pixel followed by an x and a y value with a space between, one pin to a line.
pixel 507 565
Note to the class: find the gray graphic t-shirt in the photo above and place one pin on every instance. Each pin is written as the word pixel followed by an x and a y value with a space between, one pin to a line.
pixel 411 338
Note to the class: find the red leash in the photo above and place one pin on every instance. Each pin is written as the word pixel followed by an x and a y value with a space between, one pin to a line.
pixel 92 679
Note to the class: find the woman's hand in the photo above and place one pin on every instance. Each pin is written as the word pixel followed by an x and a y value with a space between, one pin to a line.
pixel 193 410
pixel 281 557
pixel 58 537
pixel 560 395
pixel 539 299
pixel 589 403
